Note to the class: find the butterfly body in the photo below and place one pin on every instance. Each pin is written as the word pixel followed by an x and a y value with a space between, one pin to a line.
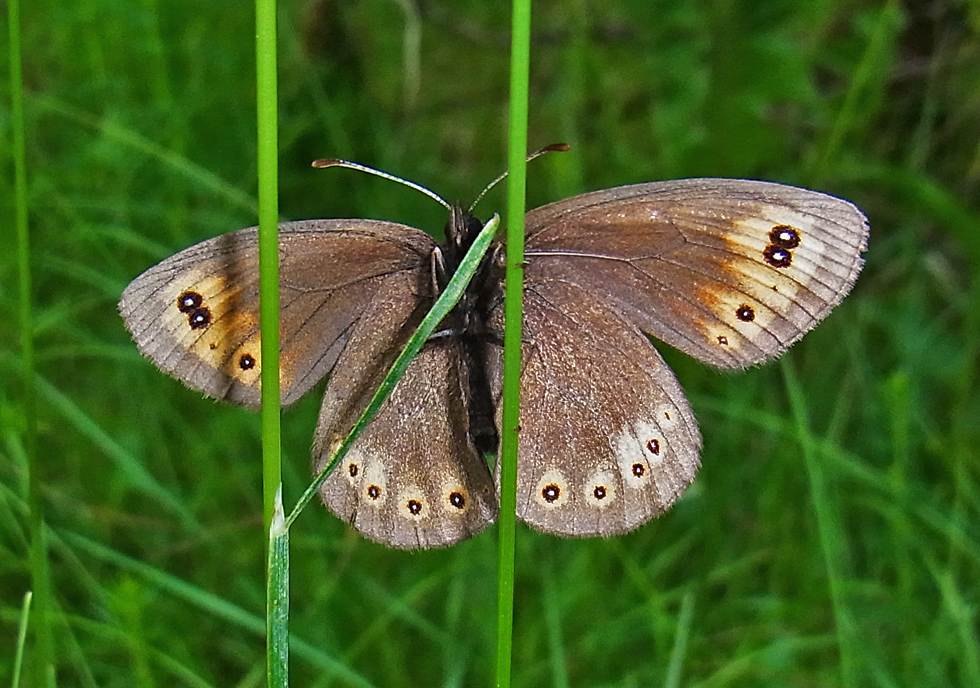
pixel 731 272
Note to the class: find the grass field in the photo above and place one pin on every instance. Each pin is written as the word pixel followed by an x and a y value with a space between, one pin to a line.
pixel 832 537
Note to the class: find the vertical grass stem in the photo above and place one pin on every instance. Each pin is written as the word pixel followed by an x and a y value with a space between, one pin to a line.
pixel 516 158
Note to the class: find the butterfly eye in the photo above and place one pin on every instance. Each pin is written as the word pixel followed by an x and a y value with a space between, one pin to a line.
pixel 782 240
pixel 412 503
pixel 784 236
pixel 455 498
pixel 551 489
pixel 600 489
pixel 499 259
pixel 777 257
pixel 550 493
pixel 189 301
pixel 745 313
pixel 199 319
pixel 368 477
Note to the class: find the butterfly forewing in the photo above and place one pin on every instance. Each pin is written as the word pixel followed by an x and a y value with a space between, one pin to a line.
pixel 731 272
pixel 196 314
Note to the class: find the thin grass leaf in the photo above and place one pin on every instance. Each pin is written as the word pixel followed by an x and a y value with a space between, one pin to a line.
pixel 176 671
pixel 552 603
pixel 678 653
pixel 960 612
pixel 127 138
pixel 39 564
pixel 743 666
pixel 127 464
pixel 217 607
pixel 866 77
pixel 520 66
pixel 832 537
pixel 277 603
pixel 267 121
pixel 25 615
pixel 267 115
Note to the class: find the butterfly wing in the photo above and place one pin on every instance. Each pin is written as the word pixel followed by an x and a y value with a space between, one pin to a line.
pixel 196 314
pixel 607 438
pixel 413 478
pixel 729 271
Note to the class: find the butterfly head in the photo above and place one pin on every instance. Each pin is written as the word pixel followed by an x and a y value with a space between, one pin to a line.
pixel 461 230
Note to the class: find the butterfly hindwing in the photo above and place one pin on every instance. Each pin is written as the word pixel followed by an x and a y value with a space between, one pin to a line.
pixel 413 478
pixel 607 439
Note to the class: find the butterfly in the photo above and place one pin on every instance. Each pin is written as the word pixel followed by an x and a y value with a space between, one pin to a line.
pixel 731 272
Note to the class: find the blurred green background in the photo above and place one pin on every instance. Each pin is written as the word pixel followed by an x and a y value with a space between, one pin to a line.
pixel 831 541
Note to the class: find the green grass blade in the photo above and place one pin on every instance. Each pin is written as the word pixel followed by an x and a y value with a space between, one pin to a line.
pixel 277 602
pixel 125 462
pixel 131 140
pixel 961 613
pixel 833 540
pixel 267 123
pixel 445 303
pixel 553 608
pixel 513 319
pixel 268 161
pixel 39 564
pixel 25 614
pixel 865 78
pixel 216 606
pixel 678 653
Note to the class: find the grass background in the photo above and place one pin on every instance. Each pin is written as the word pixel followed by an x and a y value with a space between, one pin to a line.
pixel 832 535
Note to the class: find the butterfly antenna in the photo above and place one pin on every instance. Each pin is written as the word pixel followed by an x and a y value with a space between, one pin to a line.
pixel 378 173
pixel 553 148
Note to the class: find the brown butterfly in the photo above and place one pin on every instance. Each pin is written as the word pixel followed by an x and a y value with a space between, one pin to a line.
pixel 731 272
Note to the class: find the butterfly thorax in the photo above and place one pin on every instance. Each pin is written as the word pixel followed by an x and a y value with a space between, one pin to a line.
pixel 461 231
pixel 466 322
